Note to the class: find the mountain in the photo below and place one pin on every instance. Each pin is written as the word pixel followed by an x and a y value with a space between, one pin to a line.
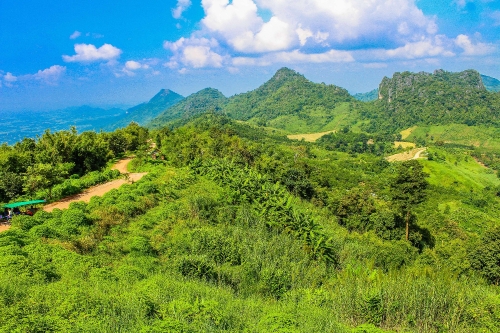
pixel 490 83
pixel 290 102
pixel 197 103
pixel 442 97
pixel 368 96
pixel 145 112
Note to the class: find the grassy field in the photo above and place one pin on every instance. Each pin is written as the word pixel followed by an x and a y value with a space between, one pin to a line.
pixel 310 137
pixel 477 136
pixel 314 120
pixel 404 144
pixel 458 170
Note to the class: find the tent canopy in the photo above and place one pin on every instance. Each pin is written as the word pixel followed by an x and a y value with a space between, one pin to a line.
pixel 23 203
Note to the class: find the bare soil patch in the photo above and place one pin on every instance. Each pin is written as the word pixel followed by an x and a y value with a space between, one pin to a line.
pixel 406 156
pixel 311 137
pixel 4 227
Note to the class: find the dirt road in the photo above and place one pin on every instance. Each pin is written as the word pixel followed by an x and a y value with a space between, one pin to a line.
pixel 98 190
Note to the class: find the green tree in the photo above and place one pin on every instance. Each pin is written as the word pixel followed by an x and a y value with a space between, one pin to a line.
pixel 486 256
pixel 44 176
pixel 408 189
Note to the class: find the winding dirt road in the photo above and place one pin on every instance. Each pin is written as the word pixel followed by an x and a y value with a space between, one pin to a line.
pixel 101 189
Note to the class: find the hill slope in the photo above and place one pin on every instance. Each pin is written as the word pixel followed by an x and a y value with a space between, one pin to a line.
pixel 145 112
pixel 197 103
pixel 490 83
pixel 291 102
pixel 443 97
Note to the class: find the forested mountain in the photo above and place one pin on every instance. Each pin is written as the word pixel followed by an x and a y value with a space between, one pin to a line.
pixel 408 99
pixel 289 101
pixel 367 97
pixel 145 112
pixel 490 83
pixel 208 99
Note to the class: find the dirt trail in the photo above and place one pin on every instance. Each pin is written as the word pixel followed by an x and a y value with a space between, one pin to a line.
pixel 98 190
pixel 406 156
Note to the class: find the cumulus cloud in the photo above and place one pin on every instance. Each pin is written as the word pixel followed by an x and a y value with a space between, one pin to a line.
pixel 9 77
pixel 471 49
pixel 134 65
pixel 341 24
pixel 89 53
pixel 295 56
pixel 236 33
pixel 194 52
pixel 75 35
pixel 426 47
pixel 181 7
pixel 51 74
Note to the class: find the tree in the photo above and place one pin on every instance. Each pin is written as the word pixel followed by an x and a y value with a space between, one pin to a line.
pixel 485 257
pixel 408 189
pixel 44 176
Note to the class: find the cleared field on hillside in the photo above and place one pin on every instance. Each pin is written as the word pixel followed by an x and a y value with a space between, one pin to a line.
pixel 406 156
pixel 311 137
pixel 404 144
pixel 477 136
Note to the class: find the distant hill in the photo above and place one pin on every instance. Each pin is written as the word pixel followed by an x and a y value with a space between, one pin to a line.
pixel 291 102
pixel 490 83
pixel 145 112
pixel 368 96
pixel 443 97
pixel 197 103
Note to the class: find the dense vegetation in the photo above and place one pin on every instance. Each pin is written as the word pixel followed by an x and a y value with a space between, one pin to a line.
pixel 238 229
pixel 441 98
pixel 31 168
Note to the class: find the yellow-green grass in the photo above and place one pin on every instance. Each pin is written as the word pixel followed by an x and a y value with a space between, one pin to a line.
pixel 316 119
pixel 404 144
pixel 310 137
pixel 477 136
pixel 406 133
pixel 459 171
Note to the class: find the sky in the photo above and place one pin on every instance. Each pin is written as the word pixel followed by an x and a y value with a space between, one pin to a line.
pixel 56 54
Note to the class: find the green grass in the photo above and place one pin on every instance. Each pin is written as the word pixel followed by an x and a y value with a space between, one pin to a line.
pixel 478 136
pixel 459 170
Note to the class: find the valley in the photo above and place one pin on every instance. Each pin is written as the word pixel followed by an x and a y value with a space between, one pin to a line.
pixel 294 207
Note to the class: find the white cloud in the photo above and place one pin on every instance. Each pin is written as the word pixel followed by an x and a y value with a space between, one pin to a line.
pixel 295 56
pixel 75 35
pixel 471 49
pixel 424 48
pixel 194 52
pixel 182 5
pixel 134 65
pixel 320 23
pixel 89 53
pixel 51 74
pixel 9 77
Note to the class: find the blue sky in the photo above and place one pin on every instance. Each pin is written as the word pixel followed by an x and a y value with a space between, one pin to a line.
pixel 55 54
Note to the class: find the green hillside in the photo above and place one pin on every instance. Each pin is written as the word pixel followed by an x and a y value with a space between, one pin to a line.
pixel 145 112
pixel 238 230
pixel 490 83
pixel 291 102
pixel 205 100
pixel 367 97
pixel 409 99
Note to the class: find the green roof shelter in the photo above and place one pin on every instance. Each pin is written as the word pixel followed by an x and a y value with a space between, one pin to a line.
pixel 23 203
